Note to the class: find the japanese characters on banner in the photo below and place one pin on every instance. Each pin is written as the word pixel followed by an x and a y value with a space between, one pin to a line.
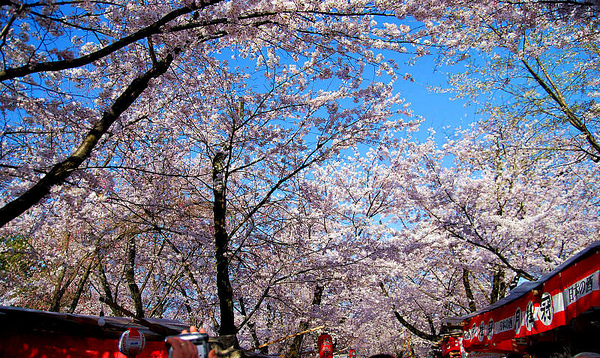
pixel 325 343
pixel 551 303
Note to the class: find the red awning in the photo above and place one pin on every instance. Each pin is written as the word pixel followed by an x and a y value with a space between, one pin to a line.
pixel 40 334
pixel 537 307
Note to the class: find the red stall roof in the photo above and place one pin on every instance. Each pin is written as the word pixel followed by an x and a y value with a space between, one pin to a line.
pixel 33 333
pixel 537 307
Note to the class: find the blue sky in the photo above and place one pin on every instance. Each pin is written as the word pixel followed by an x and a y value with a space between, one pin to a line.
pixel 441 113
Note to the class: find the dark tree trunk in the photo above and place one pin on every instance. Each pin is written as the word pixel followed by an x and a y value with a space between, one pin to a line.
pixel 136 295
pixel 252 328
pixel 224 289
pixel 498 286
pixel 469 291
pixel 106 286
pixel 59 291
pixel 80 287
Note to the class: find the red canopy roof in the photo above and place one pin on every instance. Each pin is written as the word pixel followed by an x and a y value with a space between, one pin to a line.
pixel 537 307
pixel 32 333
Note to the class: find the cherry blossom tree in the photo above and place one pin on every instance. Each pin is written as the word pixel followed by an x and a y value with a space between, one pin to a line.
pixel 117 52
pixel 535 62
pixel 208 161
pixel 109 109
pixel 454 238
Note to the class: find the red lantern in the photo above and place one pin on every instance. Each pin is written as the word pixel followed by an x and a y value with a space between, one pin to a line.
pixel 325 346
pixel 132 342
pixel 451 347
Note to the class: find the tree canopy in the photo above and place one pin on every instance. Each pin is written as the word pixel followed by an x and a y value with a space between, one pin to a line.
pixel 252 167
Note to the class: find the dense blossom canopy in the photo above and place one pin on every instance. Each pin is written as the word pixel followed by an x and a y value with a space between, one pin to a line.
pixel 127 126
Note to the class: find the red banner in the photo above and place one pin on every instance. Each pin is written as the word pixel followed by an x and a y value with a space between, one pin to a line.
pixel 552 303
pixel 325 346
pixel 63 346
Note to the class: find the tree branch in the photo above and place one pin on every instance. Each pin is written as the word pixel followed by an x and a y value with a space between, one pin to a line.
pixel 557 97
pixel 414 330
pixel 145 32
pixel 61 171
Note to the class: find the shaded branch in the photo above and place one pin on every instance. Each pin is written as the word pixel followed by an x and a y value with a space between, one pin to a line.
pixel 145 32
pixel 414 330
pixel 61 171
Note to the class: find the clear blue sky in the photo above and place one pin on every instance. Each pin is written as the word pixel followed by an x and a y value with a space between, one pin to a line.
pixel 441 112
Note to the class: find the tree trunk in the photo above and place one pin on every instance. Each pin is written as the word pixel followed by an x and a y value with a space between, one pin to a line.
pixel 59 291
pixel 130 278
pixel 252 328
pixel 498 286
pixel 80 287
pixel 295 348
pixel 224 289
pixel 469 291
pixel 106 286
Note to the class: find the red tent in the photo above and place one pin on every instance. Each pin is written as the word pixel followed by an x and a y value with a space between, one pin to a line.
pixel 40 334
pixel 561 307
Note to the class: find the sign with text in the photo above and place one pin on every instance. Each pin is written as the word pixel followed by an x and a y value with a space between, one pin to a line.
pixel 325 346
pixel 552 302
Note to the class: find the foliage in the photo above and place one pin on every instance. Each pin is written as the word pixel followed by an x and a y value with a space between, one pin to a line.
pixel 16 256
pixel 151 151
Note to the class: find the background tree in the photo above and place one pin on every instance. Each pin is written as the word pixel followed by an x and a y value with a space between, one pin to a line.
pixel 533 62
pixel 458 236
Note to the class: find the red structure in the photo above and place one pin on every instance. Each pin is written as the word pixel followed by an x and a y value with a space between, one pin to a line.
pixel 38 334
pixel 451 347
pixel 562 308
pixel 325 343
